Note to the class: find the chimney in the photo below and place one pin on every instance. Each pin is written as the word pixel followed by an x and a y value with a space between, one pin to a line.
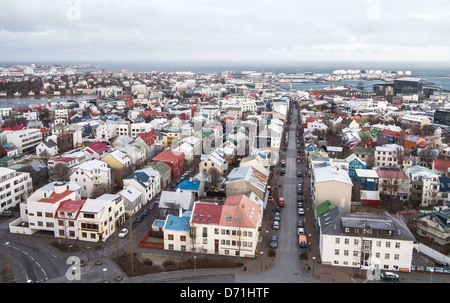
pixel 180 213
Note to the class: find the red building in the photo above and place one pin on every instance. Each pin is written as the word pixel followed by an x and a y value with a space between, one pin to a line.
pixel 174 159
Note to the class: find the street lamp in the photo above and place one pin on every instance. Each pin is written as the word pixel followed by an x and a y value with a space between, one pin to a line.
pixel 314 261
pixel 104 270
pixel 262 253
pixel 195 265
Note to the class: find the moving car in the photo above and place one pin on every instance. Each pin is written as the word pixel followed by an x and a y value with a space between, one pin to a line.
pixel 123 232
pixel 389 276
pixel 273 242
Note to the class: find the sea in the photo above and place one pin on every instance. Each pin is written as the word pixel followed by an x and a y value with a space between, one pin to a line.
pixel 437 73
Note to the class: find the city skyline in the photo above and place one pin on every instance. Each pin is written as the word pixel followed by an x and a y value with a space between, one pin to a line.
pixel 373 30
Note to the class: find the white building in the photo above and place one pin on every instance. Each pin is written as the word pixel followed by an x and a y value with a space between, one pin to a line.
pixel 93 176
pixel 100 217
pixel 374 242
pixel 40 209
pixel 230 229
pixel 15 187
pixel 387 155
pixel 25 140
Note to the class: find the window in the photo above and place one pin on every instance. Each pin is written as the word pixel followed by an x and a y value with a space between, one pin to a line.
pixel 170 237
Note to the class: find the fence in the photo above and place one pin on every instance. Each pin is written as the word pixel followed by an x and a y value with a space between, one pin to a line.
pixel 432 254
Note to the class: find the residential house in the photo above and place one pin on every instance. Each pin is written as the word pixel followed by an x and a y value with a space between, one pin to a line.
pixel 96 150
pixel 174 159
pixel 215 160
pixel 435 226
pixel 354 163
pixel 171 202
pixel 132 198
pixel 120 164
pixel 393 183
pixel 177 232
pixel 165 172
pixel 364 240
pixel 230 229
pixel 367 178
pixel 47 147
pixel 25 140
pixel 9 149
pixel 15 187
pixel 99 218
pixel 331 184
pixel 94 177
pixel 242 180
pixel 442 167
pixel 40 211
pixel 389 155
pixel 444 190
pixel 61 168
pixel 146 181
pixel 424 186
pixel 196 187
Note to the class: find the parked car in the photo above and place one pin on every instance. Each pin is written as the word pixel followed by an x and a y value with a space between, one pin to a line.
pixel 7 213
pixel 299 174
pixel 145 212
pixel 138 219
pixel 299 199
pixel 273 242
pixel 300 204
pixel 123 232
pixel 301 211
pixel 389 276
pixel 276 225
pixel 277 216
pixel 299 223
pixel 282 171
pixel 300 231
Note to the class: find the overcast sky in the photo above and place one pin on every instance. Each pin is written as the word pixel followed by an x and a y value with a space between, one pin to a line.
pixel 89 30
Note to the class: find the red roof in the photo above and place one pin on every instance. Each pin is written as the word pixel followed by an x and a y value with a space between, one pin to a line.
pixel 168 156
pixel 148 138
pixel 390 133
pixel 54 197
pixel 391 174
pixel 70 206
pixel 97 147
pixel 206 213
pixel 441 165
pixel 62 159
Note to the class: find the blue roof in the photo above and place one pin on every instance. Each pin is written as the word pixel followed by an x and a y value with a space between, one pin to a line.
pixel 189 185
pixel 140 177
pixel 444 184
pixel 178 223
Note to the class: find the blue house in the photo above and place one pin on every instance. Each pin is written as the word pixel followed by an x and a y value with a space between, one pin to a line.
pixel 367 178
pixel 197 187
pixel 354 163
pixel 176 232
pixel 444 189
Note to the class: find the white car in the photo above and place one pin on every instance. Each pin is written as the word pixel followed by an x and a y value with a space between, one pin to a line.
pixel 300 231
pixel 123 233
pixel 276 225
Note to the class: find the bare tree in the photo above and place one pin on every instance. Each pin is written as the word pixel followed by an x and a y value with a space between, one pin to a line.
pixel 60 172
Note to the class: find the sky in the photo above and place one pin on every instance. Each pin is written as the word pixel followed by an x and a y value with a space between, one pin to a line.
pixel 302 30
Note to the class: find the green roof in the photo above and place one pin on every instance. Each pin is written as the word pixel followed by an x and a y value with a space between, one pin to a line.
pixel 324 207
pixel 160 166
